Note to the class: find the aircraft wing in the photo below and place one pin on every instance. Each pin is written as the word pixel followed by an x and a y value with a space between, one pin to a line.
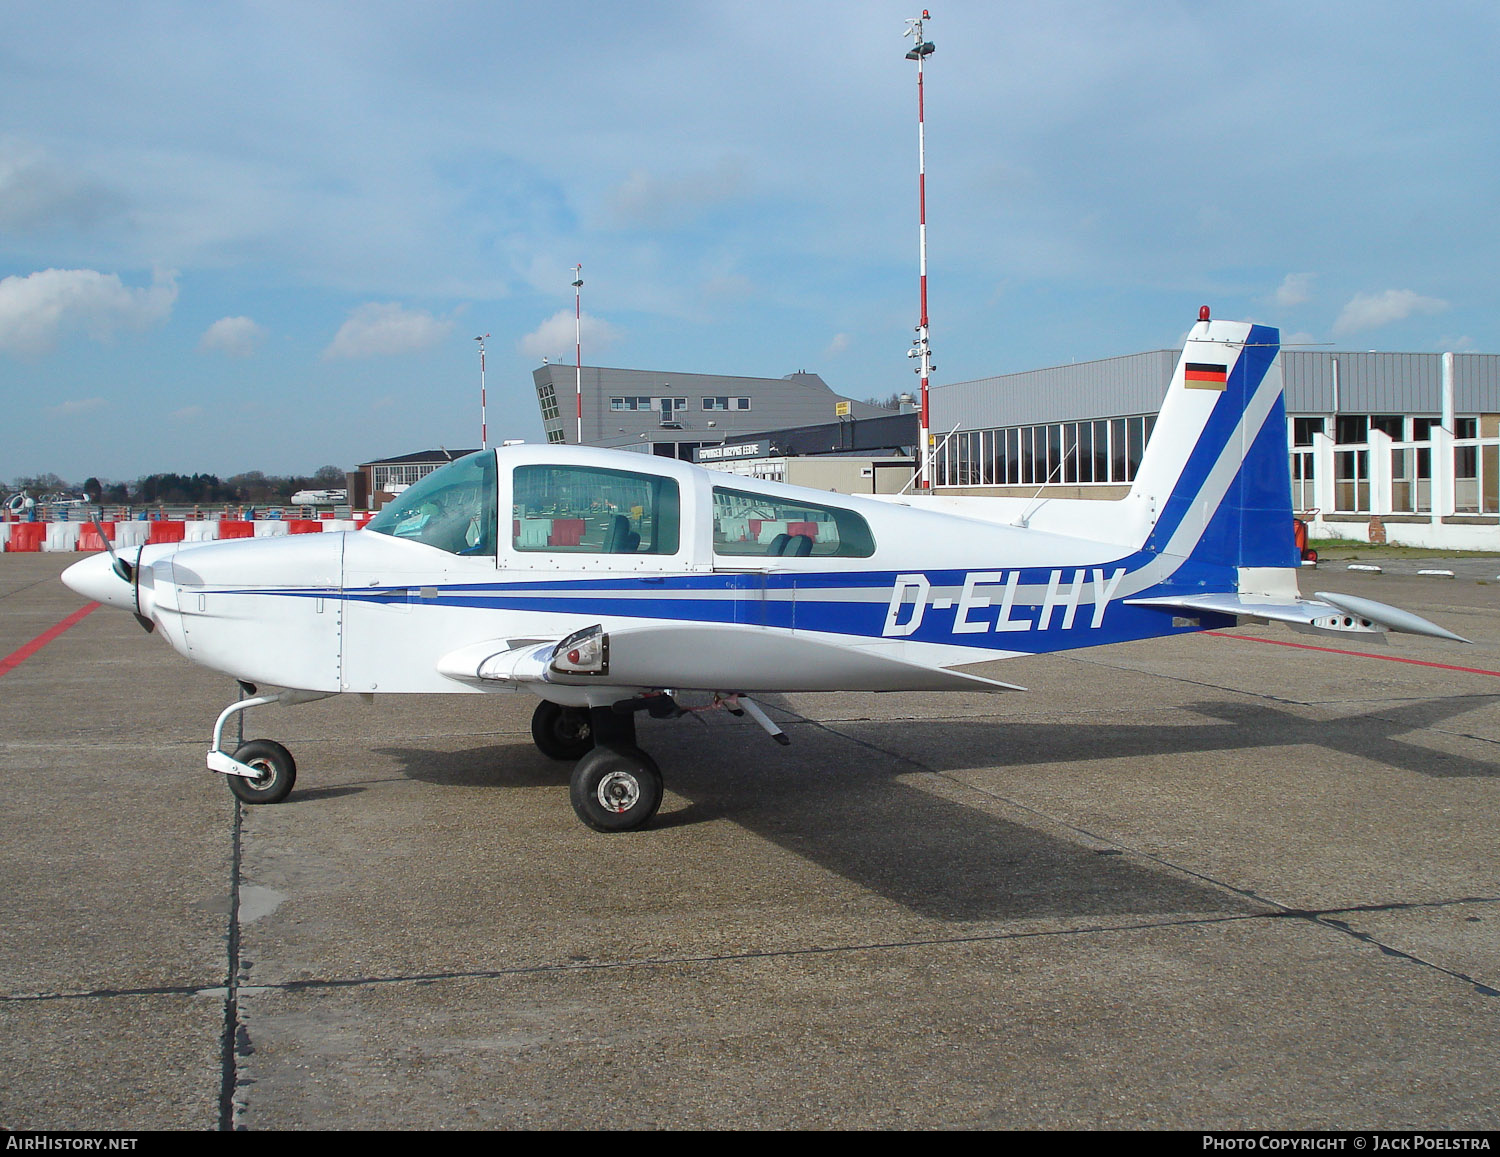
pixel 717 657
pixel 1331 612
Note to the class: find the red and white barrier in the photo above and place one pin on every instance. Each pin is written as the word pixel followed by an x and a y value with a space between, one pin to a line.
pixel 131 533
pixel 26 536
pixel 64 537
pixel 61 536
pixel 162 530
pixel 88 537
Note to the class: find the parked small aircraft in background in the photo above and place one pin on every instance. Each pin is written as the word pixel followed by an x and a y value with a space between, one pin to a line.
pixel 319 497
pixel 620 582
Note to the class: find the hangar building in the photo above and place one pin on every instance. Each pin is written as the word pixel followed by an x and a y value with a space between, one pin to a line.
pixel 672 414
pixel 1410 439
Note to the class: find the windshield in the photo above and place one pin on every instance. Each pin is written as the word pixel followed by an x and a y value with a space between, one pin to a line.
pixel 453 508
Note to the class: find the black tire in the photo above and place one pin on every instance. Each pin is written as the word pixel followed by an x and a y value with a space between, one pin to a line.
pixel 562 732
pixel 616 789
pixel 279 772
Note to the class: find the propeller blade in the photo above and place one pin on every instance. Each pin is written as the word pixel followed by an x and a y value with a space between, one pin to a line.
pixel 117 564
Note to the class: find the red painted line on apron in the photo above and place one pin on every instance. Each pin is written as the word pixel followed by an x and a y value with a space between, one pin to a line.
pixel 16 658
pixel 1357 654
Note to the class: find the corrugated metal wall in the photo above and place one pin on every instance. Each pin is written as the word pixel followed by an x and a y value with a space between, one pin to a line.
pixel 1368 383
pixel 1109 388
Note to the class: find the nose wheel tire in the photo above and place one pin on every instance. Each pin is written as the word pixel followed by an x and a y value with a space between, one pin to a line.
pixel 616 789
pixel 278 772
pixel 562 732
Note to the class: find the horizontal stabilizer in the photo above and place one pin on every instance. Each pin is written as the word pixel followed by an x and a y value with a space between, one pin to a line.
pixel 1337 614
pixel 1392 618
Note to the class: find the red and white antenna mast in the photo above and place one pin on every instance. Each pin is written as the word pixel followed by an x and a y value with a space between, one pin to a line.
pixel 484 430
pixel 578 342
pixel 921 49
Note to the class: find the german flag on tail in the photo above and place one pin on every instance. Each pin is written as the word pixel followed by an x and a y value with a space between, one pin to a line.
pixel 1204 376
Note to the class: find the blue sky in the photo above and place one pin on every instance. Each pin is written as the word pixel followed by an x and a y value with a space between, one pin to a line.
pixel 264 236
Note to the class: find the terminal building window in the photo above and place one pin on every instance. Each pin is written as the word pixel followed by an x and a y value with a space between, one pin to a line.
pixel 726 403
pixel 548 398
pixel 755 524
pixel 586 510
pixel 639 403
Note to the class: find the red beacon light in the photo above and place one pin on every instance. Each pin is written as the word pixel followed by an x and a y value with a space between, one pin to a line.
pixel 1203 313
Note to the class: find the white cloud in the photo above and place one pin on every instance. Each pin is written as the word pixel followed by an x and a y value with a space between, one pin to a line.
pixel 837 346
pixel 1372 310
pixel 1295 289
pixel 36 310
pixel 77 406
pixel 186 414
pixel 236 336
pixel 556 335
pixel 380 328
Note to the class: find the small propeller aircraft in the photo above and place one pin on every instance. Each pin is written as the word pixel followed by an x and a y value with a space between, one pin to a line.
pixel 626 583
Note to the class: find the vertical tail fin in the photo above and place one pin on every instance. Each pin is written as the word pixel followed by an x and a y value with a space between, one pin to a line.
pixel 1216 470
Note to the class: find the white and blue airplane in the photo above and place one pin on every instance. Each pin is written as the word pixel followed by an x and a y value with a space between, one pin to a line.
pixel 627 583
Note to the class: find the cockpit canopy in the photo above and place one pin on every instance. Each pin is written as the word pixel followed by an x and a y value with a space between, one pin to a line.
pixel 579 508
pixel 453 508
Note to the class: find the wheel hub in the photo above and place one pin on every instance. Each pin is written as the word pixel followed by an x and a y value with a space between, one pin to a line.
pixel 618 791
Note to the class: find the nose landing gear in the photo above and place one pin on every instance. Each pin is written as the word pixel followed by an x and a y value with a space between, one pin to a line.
pixel 262 770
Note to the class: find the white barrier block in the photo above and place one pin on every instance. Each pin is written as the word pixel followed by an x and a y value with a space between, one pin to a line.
pixel 131 533
pixel 334 525
pixel 4 534
pixel 205 531
pixel 269 528
pixel 62 536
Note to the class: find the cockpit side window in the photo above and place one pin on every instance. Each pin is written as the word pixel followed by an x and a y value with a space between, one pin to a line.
pixel 758 524
pixel 452 509
pixel 588 510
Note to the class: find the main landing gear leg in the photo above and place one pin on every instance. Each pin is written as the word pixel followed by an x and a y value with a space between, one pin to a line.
pixel 616 787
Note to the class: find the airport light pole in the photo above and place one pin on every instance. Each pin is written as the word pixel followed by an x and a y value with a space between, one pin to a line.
pixel 578 343
pixel 484 430
pixel 921 49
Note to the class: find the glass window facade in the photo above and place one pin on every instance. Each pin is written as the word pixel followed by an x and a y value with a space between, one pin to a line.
pixel 1107 450
pixel 547 397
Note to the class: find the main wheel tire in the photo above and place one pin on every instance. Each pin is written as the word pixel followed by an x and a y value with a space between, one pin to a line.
pixel 277 767
pixel 616 789
pixel 562 732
